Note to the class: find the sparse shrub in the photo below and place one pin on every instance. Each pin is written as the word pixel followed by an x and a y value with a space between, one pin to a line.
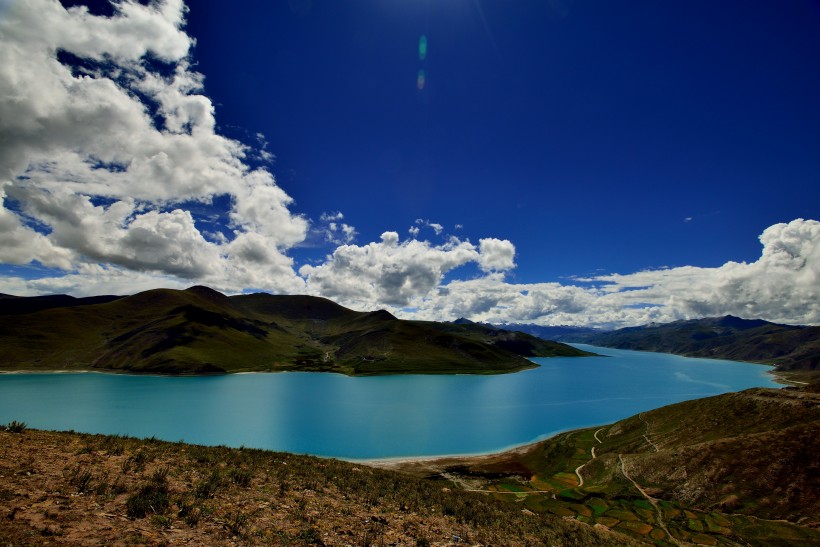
pixel 16 427
pixel 161 521
pixel 242 477
pixel 422 542
pixel 81 479
pixel 310 535
pixel 152 498
pixel 102 486
pixel 118 487
pixel 190 513
pixel 201 454
pixel 206 488
pixel 236 522
pixel 137 461
pixel 160 474
pixel 114 445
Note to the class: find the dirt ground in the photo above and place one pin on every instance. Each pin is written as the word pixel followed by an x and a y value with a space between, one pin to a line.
pixel 73 489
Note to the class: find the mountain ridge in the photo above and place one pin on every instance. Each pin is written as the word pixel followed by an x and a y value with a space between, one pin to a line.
pixel 788 347
pixel 201 331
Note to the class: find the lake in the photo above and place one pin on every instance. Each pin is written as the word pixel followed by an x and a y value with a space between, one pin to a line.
pixel 372 417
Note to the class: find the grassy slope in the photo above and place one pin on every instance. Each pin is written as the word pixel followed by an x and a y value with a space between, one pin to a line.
pixel 741 467
pixel 202 331
pixel 755 452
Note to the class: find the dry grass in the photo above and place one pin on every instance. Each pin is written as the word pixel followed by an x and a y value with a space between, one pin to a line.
pixel 77 489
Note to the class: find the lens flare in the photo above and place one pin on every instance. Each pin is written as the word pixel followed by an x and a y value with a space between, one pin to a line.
pixel 422 47
pixel 421 80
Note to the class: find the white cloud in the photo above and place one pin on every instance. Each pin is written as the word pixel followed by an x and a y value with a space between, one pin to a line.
pixel 334 231
pixel 331 217
pixel 437 228
pixel 76 134
pixel 782 286
pixel 21 245
pixel 91 280
pixel 387 273
pixel 496 254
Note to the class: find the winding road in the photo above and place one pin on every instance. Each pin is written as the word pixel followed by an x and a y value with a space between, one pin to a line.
pixel 578 469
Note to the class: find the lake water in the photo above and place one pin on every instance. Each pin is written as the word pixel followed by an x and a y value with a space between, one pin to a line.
pixel 372 417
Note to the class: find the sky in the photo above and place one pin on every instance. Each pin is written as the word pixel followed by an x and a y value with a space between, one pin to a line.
pixel 554 162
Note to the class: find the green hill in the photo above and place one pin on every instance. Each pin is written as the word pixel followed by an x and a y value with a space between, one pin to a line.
pixel 739 468
pixel 199 330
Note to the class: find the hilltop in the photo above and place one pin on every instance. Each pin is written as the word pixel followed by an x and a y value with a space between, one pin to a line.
pixel 201 331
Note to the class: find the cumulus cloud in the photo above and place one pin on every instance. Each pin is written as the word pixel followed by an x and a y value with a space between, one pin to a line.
pixel 783 285
pixel 90 280
pixel 105 131
pixel 496 254
pixel 335 231
pixel 386 273
pixel 422 223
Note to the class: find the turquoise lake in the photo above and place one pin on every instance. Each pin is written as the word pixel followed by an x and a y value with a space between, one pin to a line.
pixel 372 417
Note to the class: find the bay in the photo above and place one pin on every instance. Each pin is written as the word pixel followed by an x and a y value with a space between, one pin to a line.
pixel 372 417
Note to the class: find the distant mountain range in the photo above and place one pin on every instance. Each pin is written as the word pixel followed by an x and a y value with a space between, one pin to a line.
pixel 788 347
pixel 199 330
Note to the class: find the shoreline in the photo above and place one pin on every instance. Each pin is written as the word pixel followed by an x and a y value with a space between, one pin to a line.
pixel 512 449
pixel 402 461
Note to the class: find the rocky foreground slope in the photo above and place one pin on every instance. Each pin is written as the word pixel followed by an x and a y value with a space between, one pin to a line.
pixel 75 489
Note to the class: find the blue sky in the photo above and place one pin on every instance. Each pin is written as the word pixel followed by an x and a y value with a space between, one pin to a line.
pixel 588 130
pixel 561 162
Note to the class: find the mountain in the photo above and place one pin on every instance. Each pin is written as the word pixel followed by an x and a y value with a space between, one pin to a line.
pixel 200 330
pixel 14 305
pixel 788 347
pixel 558 333
pixel 521 343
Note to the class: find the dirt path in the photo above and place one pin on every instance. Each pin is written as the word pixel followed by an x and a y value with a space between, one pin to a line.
pixel 650 499
pixel 646 434
pixel 578 469
pixel 522 493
